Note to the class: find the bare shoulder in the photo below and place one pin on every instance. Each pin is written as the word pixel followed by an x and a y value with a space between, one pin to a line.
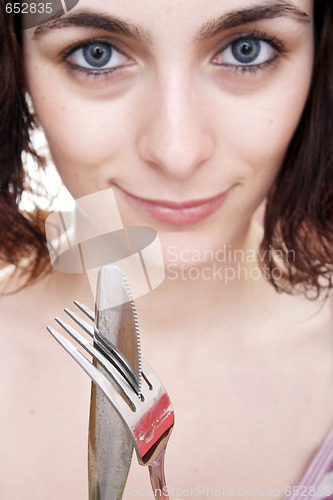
pixel 320 316
pixel 51 290
pixel 15 297
pixel 26 311
pixel 41 390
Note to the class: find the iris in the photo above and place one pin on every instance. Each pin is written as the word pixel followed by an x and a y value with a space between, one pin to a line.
pixel 246 51
pixel 97 54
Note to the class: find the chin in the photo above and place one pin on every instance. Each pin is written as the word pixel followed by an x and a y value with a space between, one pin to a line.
pixel 191 248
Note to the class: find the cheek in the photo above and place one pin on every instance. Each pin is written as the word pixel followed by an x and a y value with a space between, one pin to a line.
pixel 255 132
pixel 84 134
pixel 261 130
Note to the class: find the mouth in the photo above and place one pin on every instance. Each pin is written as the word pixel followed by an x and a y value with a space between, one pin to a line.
pixel 172 212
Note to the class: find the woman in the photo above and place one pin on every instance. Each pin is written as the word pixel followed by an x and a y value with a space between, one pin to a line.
pixel 194 113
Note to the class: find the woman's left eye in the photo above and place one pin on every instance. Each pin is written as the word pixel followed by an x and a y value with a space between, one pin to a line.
pixel 97 57
pixel 246 53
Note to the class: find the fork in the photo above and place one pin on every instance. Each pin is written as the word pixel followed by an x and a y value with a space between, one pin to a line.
pixel 148 415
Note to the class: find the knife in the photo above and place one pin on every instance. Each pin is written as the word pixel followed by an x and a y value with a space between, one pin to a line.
pixel 110 445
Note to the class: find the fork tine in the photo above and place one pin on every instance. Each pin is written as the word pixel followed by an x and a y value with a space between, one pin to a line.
pixel 139 420
pixel 108 350
pixel 96 376
pixel 79 321
pixel 102 360
pixel 86 310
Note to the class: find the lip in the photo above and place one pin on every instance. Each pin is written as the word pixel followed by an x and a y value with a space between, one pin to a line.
pixel 172 212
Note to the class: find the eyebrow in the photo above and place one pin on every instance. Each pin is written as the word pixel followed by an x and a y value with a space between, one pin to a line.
pixel 86 19
pixel 232 19
pixel 269 10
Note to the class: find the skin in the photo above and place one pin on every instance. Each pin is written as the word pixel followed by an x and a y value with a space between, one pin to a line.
pixel 169 115
pixel 192 129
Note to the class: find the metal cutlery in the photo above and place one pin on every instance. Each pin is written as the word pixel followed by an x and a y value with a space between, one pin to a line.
pixel 110 446
pixel 132 388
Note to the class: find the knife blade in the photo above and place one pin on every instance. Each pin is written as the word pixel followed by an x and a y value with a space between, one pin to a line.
pixel 110 445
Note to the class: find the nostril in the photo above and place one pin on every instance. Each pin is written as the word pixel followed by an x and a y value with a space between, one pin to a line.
pixel 178 158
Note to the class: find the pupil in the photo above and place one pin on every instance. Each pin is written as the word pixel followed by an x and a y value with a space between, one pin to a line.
pixel 97 52
pixel 246 51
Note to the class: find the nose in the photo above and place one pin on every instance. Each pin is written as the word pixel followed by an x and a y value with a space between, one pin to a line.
pixel 176 137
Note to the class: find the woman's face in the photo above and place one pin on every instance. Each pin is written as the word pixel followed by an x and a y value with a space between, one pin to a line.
pixel 185 108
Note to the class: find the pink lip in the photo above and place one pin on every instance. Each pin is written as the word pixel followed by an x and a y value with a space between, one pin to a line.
pixel 173 212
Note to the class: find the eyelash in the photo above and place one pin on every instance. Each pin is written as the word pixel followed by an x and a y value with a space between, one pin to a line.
pixel 89 72
pixel 253 68
pixel 242 68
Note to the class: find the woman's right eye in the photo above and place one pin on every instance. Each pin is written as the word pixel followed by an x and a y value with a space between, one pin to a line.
pixel 97 57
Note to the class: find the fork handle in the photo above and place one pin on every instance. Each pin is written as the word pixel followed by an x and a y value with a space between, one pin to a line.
pixel 157 478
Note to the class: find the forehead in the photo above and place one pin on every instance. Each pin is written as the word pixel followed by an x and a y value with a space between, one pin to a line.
pixel 152 18
pixel 151 11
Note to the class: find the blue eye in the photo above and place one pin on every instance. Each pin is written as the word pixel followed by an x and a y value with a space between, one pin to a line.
pixel 245 53
pixel 97 57
pixel 97 54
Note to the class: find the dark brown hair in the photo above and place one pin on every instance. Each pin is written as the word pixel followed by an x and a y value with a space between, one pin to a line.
pixel 21 234
pixel 299 210
pixel 299 213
